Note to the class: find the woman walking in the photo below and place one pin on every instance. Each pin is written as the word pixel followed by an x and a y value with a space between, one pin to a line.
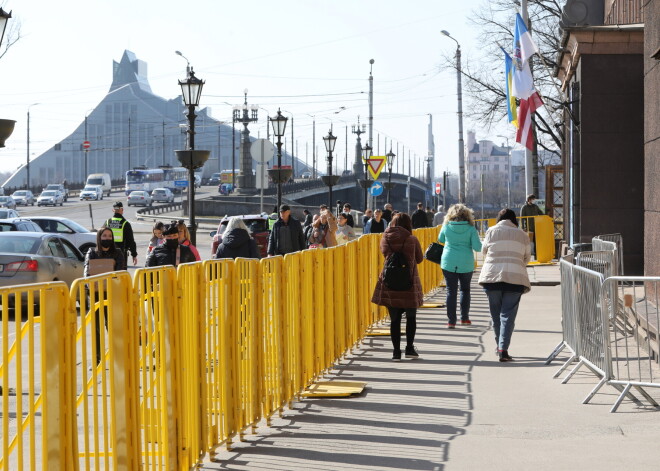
pixel 236 241
pixel 398 238
pixel 460 239
pixel 504 276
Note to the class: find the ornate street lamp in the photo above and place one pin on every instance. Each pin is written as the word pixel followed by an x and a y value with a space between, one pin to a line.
pixel 4 19
pixel 330 180
pixel 192 159
pixel 279 175
pixel 390 164
pixel 6 125
pixel 245 114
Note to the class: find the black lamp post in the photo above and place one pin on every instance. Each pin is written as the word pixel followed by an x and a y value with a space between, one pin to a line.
pixel 329 179
pixel 191 159
pixel 6 125
pixel 4 19
pixel 390 164
pixel 366 183
pixel 278 175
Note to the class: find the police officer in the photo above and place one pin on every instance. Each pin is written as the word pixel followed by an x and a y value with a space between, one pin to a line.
pixel 122 232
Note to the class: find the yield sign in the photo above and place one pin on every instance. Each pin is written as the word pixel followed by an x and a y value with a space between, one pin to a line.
pixel 376 165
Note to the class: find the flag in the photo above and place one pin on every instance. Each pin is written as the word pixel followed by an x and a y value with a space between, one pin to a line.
pixel 528 106
pixel 523 48
pixel 523 44
pixel 510 99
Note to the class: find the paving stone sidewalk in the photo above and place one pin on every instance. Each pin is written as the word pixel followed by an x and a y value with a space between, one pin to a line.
pixel 458 408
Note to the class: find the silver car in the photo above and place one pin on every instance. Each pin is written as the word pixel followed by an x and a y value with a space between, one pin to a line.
pixel 8 213
pixel 139 198
pixel 7 202
pixel 50 198
pixel 24 197
pixel 162 195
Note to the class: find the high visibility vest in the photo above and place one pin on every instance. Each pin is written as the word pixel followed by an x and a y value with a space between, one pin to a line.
pixel 116 225
pixel 272 219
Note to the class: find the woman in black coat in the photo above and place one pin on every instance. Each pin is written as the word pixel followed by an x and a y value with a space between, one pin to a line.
pixel 236 241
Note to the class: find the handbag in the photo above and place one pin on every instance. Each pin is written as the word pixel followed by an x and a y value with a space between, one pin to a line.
pixel 434 252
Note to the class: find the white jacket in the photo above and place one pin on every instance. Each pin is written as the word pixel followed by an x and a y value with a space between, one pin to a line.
pixel 507 251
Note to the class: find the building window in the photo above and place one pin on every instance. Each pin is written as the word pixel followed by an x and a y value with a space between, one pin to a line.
pixel 496 167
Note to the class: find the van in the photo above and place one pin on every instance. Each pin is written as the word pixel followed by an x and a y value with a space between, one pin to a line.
pixel 100 179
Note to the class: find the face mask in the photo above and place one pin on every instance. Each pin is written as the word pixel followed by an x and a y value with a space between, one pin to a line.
pixel 106 244
pixel 172 243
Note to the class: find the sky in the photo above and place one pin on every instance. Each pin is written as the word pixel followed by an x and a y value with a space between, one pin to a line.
pixel 309 58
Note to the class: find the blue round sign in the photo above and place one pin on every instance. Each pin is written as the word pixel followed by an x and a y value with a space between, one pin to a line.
pixel 376 189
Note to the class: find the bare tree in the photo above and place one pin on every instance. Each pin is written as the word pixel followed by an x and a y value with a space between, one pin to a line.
pixel 485 81
pixel 12 33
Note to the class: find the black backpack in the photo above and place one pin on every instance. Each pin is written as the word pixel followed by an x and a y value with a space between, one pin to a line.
pixel 396 272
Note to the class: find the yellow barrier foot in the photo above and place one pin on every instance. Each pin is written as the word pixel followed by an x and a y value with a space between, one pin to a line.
pixel 540 264
pixel 432 305
pixel 334 389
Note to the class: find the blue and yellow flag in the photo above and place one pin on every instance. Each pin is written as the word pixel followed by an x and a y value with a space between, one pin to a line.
pixel 510 99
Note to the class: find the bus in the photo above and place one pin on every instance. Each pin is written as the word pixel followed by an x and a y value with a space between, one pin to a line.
pixel 148 179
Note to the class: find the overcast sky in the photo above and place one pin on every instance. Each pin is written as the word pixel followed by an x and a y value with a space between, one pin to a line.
pixel 311 58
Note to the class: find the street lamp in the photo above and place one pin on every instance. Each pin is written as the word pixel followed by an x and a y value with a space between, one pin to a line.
pixel 4 19
pixel 461 150
pixel 508 186
pixel 191 88
pixel 329 179
pixel 6 125
pixel 278 175
pixel 246 114
pixel 390 164
pixel 27 166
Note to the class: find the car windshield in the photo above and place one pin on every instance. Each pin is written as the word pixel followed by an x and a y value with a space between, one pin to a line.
pixel 49 193
pixel 20 244
pixel 4 198
pixel 4 214
pixel 74 225
pixel 89 188
pixel 20 193
pixel 158 192
pixel 137 193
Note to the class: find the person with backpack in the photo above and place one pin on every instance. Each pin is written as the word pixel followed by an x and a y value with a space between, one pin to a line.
pixel 460 239
pixel 398 287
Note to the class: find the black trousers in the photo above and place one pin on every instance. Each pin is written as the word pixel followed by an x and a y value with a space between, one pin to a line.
pixel 395 326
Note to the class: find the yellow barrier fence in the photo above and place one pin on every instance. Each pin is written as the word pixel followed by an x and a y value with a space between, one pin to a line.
pixel 153 372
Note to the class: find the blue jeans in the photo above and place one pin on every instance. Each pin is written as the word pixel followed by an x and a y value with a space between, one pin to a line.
pixel 452 280
pixel 503 310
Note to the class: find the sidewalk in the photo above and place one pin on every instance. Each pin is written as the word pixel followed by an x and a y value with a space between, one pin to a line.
pixel 458 408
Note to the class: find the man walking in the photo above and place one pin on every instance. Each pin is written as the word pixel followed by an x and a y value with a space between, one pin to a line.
pixel 387 212
pixel 438 217
pixel 287 234
pixel 375 225
pixel 419 217
pixel 122 232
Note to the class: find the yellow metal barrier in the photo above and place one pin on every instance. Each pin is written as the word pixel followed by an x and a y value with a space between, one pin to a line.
pixel 36 396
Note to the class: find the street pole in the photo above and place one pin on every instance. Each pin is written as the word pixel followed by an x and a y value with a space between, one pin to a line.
pixel 86 154
pixel 233 156
pixel 27 167
pixel 192 225
pixel 461 146
pixel 371 105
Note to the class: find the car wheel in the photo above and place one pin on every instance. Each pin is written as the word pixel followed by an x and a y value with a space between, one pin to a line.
pixel 85 248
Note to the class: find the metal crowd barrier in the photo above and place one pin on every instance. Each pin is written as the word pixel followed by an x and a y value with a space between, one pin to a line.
pixel 156 371
pixel 618 240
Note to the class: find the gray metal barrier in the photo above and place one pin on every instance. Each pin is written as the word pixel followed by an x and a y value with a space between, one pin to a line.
pixel 618 240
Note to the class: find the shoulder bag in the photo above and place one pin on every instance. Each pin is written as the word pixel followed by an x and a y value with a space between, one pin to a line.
pixel 434 252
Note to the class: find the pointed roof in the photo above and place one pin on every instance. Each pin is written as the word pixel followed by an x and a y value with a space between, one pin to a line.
pixel 129 70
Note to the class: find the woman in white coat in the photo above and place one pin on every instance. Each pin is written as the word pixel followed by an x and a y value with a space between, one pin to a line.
pixel 504 276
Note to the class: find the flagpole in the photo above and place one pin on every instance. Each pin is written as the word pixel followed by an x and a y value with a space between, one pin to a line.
pixel 530 166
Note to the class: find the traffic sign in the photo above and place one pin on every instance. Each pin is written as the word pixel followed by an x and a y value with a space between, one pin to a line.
pixel 376 189
pixel 87 144
pixel 376 165
pixel 181 183
pixel 438 188
pixel 262 150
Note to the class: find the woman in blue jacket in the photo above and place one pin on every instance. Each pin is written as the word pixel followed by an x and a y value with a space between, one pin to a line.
pixel 460 239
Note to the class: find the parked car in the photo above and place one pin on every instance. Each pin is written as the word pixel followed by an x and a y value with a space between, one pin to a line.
pixel 257 225
pixel 91 192
pixel 139 198
pixel 78 235
pixel 50 198
pixel 36 257
pixel 7 202
pixel 59 187
pixel 24 197
pixel 215 179
pixel 9 214
pixel 162 195
pixel 225 188
pixel 18 224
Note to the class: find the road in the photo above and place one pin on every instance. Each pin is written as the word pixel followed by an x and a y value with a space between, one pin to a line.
pixel 92 214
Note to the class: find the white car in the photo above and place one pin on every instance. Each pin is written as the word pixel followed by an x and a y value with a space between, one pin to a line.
pixel 162 195
pixel 78 235
pixel 50 198
pixel 139 198
pixel 6 213
pixel 24 197
pixel 91 192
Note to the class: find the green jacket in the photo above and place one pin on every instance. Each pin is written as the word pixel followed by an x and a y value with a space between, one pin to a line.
pixel 461 239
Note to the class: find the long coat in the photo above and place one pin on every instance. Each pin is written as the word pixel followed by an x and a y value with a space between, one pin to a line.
pixel 399 239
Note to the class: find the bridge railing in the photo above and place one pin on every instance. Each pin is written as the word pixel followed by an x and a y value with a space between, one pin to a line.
pixel 154 372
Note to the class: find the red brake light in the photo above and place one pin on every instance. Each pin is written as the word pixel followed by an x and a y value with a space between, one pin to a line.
pixel 28 265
